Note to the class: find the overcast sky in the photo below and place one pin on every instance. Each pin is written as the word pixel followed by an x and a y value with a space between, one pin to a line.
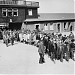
pixel 56 6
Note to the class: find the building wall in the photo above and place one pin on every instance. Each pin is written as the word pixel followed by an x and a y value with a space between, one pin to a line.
pixel 34 13
pixel 55 27
pixel 22 15
pixel 74 26
pixel 41 26
pixel 19 18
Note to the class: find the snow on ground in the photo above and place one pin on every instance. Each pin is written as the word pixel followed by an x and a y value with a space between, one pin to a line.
pixel 23 59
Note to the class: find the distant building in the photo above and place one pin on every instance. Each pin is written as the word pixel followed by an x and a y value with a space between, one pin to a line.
pixel 53 22
pixel 14 12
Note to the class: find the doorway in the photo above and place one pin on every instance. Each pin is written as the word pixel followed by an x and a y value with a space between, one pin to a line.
pixel 58 27
pixel 37 27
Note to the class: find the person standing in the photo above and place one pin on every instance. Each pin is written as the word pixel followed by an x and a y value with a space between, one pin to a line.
pixel 12 37
pixel 71 36
pixel 1 37
pixel 72 49
pixel 45 41
pixel 6 38
pixel 41 51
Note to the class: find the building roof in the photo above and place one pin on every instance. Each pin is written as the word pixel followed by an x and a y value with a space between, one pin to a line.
pixel 19 3
pixel 52 17
pixel 57 16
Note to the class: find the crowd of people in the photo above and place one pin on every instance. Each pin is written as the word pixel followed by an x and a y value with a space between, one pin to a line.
pixel 23 36
pixel 56 46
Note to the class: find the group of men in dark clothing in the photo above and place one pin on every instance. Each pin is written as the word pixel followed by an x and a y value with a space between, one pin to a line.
pixel 57 47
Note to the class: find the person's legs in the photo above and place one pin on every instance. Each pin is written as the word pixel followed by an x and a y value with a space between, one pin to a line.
pixel 67 56
pixel 6 41
pixel 41 60
pixel 61 56
pixel 73 55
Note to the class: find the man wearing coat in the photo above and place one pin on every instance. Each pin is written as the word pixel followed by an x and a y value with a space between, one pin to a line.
pixel 72 49
pixel 12 36
pixel 45 41
pixel 6 38
pixel 41 51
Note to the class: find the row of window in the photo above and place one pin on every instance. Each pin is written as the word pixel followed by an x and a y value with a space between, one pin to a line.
pixel 66 26
pixel 9 12
pixel 46 27
pixel 13 12
pixel 51 27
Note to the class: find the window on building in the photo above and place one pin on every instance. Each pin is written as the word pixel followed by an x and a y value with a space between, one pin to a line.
pixel 58 27
pixel 9 12
pixel 15 12
pixel 4 12
pixel 20 2
pixel 51 27
pixel 30 12
pixel 45 27
pixel 64 25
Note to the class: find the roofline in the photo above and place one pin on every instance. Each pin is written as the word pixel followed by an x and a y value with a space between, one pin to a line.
pixel 47 21
pixel 18 6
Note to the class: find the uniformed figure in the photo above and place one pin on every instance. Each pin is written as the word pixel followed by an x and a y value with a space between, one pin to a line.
pixel 51 48
pixel 66 48
pixel 17 36
pixel 66 51
pixel 55 43
pixel 41 51
pixel 45 40
pixel 6 38
pixel 1 37
pixel 12 37
pixel 72 49
pixel 18 39
pixel 58 49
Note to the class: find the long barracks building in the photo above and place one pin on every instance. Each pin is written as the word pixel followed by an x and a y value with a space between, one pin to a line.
pixel 52 22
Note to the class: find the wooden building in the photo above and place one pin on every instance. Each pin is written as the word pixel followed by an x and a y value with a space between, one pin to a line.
pixel 52 22
pixel 14 12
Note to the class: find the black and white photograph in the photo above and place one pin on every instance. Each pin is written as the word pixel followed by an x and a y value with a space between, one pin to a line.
pixel 37 37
